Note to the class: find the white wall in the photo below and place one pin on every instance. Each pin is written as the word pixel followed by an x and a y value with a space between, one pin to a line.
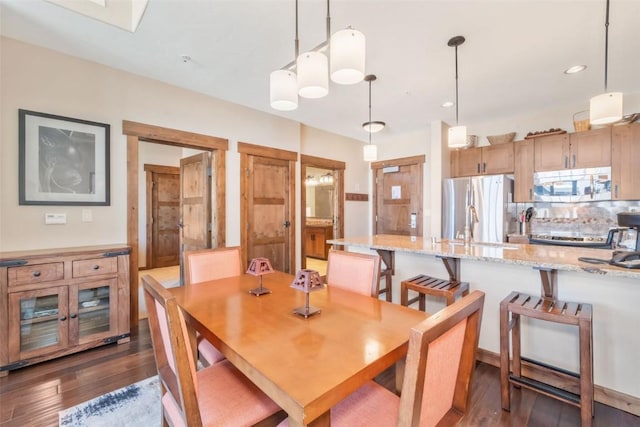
pixel 318 143
pixel 42 80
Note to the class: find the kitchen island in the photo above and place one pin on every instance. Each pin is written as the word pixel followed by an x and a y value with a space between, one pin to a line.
pixel 499 268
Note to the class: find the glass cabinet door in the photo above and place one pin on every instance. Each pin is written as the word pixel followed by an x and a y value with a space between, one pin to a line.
pixel 93 308
pixel 38 322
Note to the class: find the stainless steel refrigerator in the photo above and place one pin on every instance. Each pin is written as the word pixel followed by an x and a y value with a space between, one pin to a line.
pixel 491 196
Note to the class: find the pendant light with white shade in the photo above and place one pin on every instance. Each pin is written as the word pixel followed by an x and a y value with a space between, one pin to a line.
pixel 310 71
pixel 457 134
pixel 347 56
pixel 371 151
pixel 283 83
pixel 313 75
pixel 607 107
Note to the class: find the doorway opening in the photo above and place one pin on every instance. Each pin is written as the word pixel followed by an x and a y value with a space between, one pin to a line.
pixel 322 208
pixel 139 132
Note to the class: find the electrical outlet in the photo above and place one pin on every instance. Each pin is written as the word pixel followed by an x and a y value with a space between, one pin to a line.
pixel 55 218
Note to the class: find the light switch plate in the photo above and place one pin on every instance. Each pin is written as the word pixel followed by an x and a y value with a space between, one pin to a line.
pixel 87 215
pixel 55 218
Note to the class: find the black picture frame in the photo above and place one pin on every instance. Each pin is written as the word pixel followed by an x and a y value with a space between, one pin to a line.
pixel 62 160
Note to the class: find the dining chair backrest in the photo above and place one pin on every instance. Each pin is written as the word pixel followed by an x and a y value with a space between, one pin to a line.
pixel 174 359
pixel 211 264
pixel 354 271
pixel 440 364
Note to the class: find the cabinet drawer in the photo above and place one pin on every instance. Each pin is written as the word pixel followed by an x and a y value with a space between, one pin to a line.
pixel 93 267
pixel 35 273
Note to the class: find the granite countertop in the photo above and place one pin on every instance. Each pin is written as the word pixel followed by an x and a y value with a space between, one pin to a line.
pixel 318 222
pixel 543 256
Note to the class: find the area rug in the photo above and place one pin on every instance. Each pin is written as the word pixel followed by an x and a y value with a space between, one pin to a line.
pixel 134 405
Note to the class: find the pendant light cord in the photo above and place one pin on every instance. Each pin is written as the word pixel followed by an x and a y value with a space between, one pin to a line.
pixel 328 24
pixel 606 46
pixel 370 110
pixel 296 42
pixel 456 47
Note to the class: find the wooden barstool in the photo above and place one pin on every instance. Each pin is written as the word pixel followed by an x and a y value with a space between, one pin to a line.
pixel 427 285
pixel 386 274
pixel 518 304
pixel 386 271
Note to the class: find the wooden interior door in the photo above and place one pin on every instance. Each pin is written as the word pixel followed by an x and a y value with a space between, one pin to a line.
pixel 268 189
pixel 163 215
pixel 398 196
pixel 195 202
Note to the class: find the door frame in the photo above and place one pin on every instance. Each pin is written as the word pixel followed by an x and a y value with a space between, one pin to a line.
pixel 149 170
pixel 137 132
pixel 245 150
pixel 404 161
pixel 338 168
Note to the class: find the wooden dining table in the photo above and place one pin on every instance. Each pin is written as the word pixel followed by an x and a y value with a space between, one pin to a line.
pixel 306 365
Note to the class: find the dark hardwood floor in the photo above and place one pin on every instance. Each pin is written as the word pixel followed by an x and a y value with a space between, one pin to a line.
pixel 33 396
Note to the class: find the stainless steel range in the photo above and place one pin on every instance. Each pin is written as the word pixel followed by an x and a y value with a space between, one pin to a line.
pixel 572 239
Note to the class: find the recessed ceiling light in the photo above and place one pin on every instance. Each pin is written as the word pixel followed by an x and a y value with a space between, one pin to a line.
pixel 447 104
pixel 575 69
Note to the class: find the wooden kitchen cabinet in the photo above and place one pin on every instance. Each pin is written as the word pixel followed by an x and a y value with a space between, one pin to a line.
pixel 60 301
pixel 591 149
pixel 316 240
pixel 487 160
pixel 551 152
pixel 587 149
pixel 625 162
pixel 523 171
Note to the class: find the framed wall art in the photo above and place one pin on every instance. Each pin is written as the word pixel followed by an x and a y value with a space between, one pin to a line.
pixel 62 161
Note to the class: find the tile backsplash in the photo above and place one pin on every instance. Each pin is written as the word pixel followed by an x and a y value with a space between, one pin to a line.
pixel 594 218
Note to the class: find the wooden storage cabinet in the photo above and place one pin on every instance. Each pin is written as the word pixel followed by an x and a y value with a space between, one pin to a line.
pixel 625 162
pixel 316 241
pixel 61 301
pixel 587 149
pixel 523 171
pixel 487 160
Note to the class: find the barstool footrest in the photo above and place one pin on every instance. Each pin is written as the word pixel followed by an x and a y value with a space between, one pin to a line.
pixel 550 367
pixel 546 389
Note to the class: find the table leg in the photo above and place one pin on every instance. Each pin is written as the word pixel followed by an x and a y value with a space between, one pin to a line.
pixel 323 420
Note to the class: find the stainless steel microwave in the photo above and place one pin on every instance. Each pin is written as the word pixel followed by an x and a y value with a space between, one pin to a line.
pixel 572 185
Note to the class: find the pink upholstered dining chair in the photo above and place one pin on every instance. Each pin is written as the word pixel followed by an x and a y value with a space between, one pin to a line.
pixel 213 396
pixel 211 264
pixel 437 378
pixel 354 271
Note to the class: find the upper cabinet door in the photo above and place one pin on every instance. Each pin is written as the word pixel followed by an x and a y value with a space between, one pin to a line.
pixel 625 164
pixel 591 149
pixel 497 159
pixel 466 162
pixel 551 152
pixel 523 171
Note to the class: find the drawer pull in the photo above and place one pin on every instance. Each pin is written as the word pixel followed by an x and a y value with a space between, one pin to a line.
pixel 63 318
pixel 36 274
pixel 96 267
pixel 73 316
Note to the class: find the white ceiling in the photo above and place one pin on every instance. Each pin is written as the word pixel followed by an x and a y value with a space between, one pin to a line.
pixel 511 63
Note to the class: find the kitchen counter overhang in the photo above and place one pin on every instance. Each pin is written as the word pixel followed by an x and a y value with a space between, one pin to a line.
pixel 537 256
